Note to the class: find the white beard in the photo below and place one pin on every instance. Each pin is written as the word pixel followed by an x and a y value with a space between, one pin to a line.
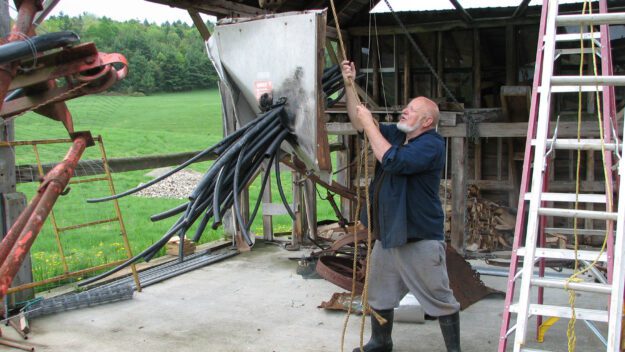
pixel 404 127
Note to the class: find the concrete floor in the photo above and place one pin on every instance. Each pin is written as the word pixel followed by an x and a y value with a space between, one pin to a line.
pixel 256 302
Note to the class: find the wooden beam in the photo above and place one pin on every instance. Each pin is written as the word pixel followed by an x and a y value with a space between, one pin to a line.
pixel 520 10
pixel 407 77
pixel 477 71
pixel 331 53
pixel 463 13
pixel 428 27
pixel 511 57
pixel 439 63
pixel 199 24
pixel 217 8
pixel 332 33
pixel 375 63
pixel 458 193
pixel 30 173
pixel 486 129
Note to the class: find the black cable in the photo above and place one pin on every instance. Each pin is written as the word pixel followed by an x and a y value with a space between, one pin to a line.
pixel 216 198
pixel 262 189
pixel 280 189
pixel 169 213
pixel 237 207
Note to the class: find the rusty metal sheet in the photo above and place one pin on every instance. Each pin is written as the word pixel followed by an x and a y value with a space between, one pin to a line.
pixel 464 281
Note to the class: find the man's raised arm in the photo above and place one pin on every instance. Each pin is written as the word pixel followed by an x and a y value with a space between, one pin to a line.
pixel 349 73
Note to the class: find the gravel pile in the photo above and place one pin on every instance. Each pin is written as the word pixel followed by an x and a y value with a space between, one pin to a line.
pixel 178 185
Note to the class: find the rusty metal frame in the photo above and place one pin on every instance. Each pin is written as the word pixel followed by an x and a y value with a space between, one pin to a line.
pixel 58 230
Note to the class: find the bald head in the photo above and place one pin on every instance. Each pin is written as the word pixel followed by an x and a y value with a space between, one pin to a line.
pixel 428 109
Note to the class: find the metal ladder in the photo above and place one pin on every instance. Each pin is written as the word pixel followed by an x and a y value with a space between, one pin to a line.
pixel 538 148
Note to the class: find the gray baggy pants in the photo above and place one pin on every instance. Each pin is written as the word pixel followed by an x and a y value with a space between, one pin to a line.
pixel 417 267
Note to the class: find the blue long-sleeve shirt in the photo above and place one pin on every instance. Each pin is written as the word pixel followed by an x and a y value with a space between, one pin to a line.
pixel 408 204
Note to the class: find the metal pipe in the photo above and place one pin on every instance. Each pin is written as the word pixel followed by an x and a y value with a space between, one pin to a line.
pixel 22 27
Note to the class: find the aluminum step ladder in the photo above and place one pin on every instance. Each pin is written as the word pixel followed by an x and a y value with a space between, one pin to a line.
pixel 529 242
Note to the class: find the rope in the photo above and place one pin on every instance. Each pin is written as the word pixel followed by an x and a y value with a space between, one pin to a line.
pixel 572 339
pixel 365 305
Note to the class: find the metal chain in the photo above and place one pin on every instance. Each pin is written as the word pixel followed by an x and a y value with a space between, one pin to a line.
pixel 423 57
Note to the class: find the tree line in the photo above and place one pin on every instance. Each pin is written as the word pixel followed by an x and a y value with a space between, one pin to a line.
pixel 169 57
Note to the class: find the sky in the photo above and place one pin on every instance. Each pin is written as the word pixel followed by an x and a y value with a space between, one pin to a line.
pixel 139 9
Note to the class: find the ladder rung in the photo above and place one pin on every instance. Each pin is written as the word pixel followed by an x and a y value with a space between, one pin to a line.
pixel 87 180
pixel 582 144
pixel 577 286
pixel 569 37
pixel 577 51
pixel 79 226
pixel 597 18
pixel 564 312
pixel 568 254
pixel 572 89
pixel 569 231
pixel 572 213
pixel 569 197
pixel 588 80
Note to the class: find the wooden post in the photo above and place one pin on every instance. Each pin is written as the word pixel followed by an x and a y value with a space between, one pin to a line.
pixel 298 223
pixel 477 72
pixel 395 71
pixel 344 176
pixel 477 161
pixel 511 57
pixel 310 205
pixel 458 193
pixel 267 221
pixel 439 63
pixel 375 63
pixel 407 81
pixel 11 202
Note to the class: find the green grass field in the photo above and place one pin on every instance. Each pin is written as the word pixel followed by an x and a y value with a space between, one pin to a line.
pixel 129 126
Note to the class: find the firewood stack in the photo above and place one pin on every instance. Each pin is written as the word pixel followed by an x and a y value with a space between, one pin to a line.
pixel 490 227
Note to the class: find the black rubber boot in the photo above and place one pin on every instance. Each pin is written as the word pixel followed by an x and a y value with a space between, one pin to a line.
pixel 450 327
pixel 380 340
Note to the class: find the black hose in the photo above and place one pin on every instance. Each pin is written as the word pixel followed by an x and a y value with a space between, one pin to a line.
pixel 235 148
pixel 237 207
pixel 262 189
pixel 169 213
pixel 280 189
pixel 202 226
pixel 23 49
pixel 216 198
pixel 159 244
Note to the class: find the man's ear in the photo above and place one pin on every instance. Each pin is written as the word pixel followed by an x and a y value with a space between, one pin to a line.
pixel 428 121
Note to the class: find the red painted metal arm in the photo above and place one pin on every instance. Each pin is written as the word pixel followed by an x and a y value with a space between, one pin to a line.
pixel 36 214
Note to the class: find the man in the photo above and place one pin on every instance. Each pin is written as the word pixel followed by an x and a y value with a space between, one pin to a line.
pixel 406 217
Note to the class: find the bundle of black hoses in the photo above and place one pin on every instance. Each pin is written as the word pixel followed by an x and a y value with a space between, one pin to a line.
pixel 240 155
pixel 332 83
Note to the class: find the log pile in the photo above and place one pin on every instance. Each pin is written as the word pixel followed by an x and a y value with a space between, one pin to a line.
pixel 490 226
